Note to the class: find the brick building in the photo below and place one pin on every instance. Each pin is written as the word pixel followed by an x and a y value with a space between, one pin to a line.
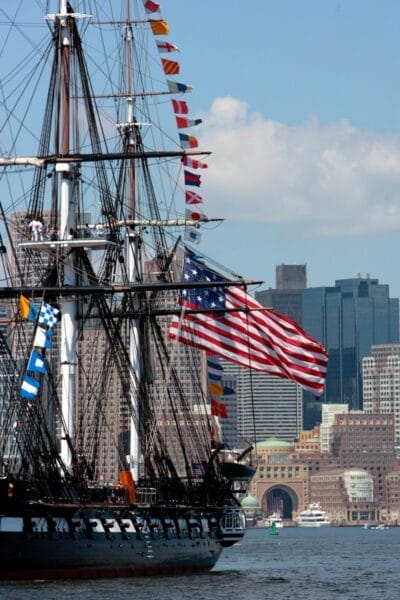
pixel 365 441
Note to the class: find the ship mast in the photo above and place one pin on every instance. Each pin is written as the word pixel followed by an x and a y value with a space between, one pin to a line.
pixel 132 248
pixel 68 174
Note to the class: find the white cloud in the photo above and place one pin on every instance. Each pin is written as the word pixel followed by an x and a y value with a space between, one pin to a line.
pixel 329 179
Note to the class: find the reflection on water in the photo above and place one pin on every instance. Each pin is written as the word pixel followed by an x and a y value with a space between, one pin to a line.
pixel 298 564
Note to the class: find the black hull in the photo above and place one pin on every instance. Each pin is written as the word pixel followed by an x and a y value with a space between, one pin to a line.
pixel 107 542
pixel 27 559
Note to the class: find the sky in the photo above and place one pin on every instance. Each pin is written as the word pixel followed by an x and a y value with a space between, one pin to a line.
pixel 300 101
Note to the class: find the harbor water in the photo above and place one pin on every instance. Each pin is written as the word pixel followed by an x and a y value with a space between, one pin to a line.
pixel 298 564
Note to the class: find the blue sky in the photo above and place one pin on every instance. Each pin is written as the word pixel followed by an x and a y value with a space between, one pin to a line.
pixel 301 107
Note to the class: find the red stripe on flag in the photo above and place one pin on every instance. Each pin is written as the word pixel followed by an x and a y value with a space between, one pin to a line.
pixel 255 337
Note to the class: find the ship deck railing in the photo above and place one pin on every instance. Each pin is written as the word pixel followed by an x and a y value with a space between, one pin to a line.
pixel 145 496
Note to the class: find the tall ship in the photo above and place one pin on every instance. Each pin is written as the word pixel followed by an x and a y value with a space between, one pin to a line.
pixel 111 458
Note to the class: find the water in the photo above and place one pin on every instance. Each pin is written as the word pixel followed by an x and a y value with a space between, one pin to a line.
pixel 298 564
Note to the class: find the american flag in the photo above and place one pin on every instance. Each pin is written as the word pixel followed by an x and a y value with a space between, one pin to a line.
pixel 244 332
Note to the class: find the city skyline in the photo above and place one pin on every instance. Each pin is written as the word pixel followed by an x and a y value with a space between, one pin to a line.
pixel 351 485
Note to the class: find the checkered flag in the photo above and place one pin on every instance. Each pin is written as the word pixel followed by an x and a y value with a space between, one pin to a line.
pixel 48 315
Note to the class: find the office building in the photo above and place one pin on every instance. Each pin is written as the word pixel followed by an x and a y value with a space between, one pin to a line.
pixel 266 406
pixel 347 495
pixel 286 297
pixel 381 383
pixel 365 441
pixel 278 403
pixel 328 417
pixel 348 319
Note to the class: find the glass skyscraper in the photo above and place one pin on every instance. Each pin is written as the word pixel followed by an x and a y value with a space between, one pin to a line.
pixel 286 297
pixel 348 319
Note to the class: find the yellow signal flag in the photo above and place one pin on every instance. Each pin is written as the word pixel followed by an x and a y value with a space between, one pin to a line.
pixel 216 389
pixel 24 307
pixel 159 26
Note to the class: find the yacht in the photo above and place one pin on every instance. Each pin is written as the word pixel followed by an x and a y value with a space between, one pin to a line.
pixel 274 520
pixel 313 516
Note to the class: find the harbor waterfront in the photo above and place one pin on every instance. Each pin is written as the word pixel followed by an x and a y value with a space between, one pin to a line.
pixel 298 564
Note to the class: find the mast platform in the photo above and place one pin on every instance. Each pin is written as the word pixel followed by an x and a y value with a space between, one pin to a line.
pixel 87 243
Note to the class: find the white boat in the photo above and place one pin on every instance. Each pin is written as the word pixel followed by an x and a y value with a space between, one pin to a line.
pixel 274 519
pixel 313 516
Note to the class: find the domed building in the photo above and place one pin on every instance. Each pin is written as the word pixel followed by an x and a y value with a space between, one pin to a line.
pixel 280 484
pixel 273 445
pixel 251 507
pixel 359 485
